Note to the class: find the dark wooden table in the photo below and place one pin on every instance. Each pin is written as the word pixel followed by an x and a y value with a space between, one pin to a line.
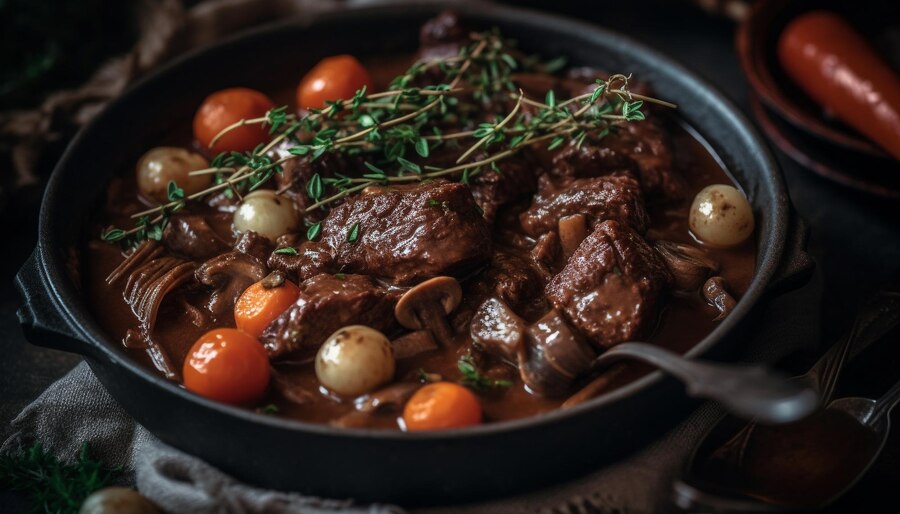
pixel 855 238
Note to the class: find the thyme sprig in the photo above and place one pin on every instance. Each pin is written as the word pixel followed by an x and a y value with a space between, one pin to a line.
pixel 396 131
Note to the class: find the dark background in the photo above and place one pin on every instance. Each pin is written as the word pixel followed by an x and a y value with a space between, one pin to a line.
pixel 855 238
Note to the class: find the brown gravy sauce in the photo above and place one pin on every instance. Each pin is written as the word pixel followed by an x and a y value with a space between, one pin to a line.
pixel 802 464
pixel 683 322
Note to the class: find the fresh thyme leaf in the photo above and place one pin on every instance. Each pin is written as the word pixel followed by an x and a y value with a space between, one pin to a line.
pixel 287 250
pixel 353 233
pixel 433 203
pixel 473 379
pixel 422 147
pixel 269 409
pixel 112 235
pixel 313 231
pixel 554 65
pixel 601 87
pixel 510 61
pixel 411 166
pixel 277 118
pixel 550 99
pixel 174 192
pixel 314 187
pixel 374 168
pixel 300 150
pixel 556 142
pixel 632 110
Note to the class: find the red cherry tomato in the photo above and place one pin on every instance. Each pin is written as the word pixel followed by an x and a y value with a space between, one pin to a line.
pixel 226 107
pixel 334 78
pixel 227 365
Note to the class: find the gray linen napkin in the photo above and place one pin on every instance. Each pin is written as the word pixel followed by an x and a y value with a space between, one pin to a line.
pixel 77 408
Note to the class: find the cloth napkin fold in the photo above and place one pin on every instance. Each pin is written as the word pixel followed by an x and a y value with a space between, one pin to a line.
pixel 77 408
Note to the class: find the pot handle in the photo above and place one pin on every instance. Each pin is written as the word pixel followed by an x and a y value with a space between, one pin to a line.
pixel 40 317
pixel 796 265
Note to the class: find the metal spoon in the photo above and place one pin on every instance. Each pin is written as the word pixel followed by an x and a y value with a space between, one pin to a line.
pixel 751 392
pixel 874 320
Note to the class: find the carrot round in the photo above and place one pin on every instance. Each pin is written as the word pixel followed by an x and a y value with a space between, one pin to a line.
pixel 441 405
pixel 834 65
pixel 261 303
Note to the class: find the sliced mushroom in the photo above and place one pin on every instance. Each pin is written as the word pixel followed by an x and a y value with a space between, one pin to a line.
pixel 549 354
pixel 426 306
pixel 554 357
pixel 413 343
pixel 689 265
pixel 715 290
pixel 572 231
pixel 367 407
pixel 392 397
pixel 230 274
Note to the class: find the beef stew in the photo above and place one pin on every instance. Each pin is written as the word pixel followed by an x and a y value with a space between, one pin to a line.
pixel 506 277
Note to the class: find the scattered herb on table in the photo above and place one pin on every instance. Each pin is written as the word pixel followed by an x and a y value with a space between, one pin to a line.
pixel 54 486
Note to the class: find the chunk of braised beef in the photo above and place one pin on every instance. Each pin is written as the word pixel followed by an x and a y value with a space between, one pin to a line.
pixel 312 259
pixel 611 288
pixel 590 159
pixel 514 178
pixel 191 235
pixel 509 278
pixel 254 245
pixel 648 145
pixel 547 254
pixel 441 36
pixel 326 303
pixel 297 173
pixel 406 234
pixel 598 199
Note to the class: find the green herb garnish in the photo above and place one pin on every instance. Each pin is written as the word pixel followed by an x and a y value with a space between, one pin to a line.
pixel 353 233
pixel 54 486
pixel 473 379
pixel 287 250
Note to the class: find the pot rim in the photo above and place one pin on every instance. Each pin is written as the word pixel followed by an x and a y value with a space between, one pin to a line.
pixel 71 305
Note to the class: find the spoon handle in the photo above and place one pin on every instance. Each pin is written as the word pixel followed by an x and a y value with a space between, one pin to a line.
pixel 876 318
pixel 885 404
pixel 750 392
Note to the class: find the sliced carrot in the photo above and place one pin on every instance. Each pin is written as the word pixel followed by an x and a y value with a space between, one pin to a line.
pixel 441 405
pixel 260 305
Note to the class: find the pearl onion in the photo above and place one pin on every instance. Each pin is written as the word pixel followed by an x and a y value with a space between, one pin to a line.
pixel 721 216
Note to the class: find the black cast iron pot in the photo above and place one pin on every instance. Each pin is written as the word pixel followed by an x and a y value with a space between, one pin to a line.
pixel 489 460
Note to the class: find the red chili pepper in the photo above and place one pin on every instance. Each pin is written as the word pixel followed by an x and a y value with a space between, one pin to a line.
pixel 835 65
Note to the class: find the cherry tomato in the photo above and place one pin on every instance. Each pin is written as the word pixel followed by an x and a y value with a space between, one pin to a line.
pixel 333 78
pixel 258 306
pixel 227 365
pixel 226 107
pixel 441 405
